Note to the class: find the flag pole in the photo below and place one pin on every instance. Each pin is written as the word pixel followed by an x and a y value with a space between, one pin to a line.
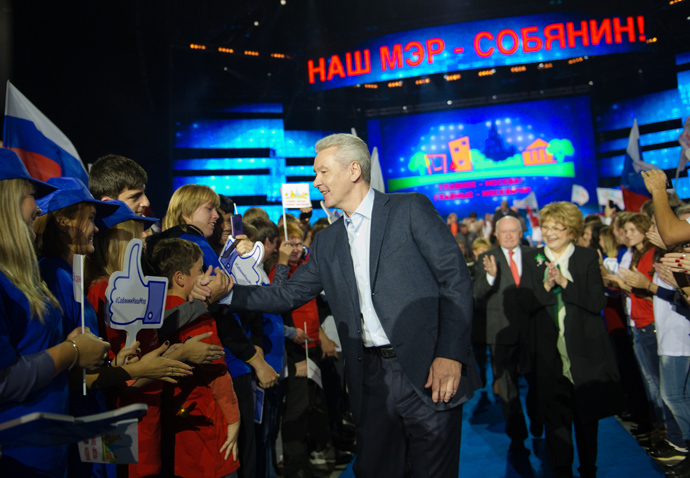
pixel 284 217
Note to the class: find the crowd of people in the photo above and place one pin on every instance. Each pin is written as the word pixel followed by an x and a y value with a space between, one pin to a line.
pixel 595 319
pixel 198 372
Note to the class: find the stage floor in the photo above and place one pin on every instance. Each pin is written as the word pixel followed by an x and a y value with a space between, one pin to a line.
pixel 484 449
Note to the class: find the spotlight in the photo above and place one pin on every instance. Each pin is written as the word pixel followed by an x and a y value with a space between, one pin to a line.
pixel 256 24
pixel 449 102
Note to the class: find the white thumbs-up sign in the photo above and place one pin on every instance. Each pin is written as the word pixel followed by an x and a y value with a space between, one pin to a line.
pixel 135 301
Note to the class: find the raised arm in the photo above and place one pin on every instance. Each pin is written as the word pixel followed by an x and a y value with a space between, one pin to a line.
pixel 672 230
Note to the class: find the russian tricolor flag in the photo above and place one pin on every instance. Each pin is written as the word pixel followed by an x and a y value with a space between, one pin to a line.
pixel 634 191
pixel 44 149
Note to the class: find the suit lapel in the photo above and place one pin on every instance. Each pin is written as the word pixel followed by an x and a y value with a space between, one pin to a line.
pixel 342 248
pixel 379 219
pixel 504 266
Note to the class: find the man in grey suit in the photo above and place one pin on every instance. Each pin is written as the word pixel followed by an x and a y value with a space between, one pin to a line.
pixel 497 288
pixel 400 293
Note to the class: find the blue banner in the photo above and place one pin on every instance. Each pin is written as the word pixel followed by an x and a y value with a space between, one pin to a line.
pixel 476 45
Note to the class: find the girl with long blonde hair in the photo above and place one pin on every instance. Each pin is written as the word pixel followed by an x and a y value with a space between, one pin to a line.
pixel 34 355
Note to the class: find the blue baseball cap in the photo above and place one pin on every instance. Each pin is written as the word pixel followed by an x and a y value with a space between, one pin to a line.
pixel 12 167
pixel 122 214
pixel 72 191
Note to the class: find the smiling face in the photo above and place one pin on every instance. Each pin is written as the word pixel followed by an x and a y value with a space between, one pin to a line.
pixel 556 236
pixel 204 217
pixel 336 180
pixel 136 200
pixel 29 209
pixel 633 235
pixel 508 232
pixel 81 230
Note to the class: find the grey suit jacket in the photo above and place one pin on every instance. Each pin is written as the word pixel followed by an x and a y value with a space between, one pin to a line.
pixel 504 316
pixel 421 290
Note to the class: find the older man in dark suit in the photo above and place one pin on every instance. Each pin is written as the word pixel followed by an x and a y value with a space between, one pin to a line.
pixel 497 289
pixel 400 293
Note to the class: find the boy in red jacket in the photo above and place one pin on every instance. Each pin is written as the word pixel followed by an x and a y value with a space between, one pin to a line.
pixel 203 418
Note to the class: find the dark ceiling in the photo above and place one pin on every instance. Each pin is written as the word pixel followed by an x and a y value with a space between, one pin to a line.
pixel 112 74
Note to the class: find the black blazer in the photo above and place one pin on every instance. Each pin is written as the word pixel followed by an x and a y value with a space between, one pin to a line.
pixel 597 391
pixel 421 290
pixel 504 316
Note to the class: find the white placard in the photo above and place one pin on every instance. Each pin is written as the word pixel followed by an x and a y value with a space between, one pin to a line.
pixel 295 195
pixel 134 301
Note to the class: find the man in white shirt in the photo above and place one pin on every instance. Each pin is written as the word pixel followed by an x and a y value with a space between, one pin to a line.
pixel 400 293
pixel 505 321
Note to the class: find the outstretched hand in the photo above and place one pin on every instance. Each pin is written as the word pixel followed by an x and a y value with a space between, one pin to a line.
pixel 154 366
pixel 198 352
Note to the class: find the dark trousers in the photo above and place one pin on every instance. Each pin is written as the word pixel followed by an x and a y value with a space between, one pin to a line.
pixel 305 420
pixel 561 417
pixel 397 431
pixel 506 368
pixel 246 441
pixel 481 357
pixel 267 431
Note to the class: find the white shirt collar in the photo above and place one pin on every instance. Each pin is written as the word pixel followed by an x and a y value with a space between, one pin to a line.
pixel 366 207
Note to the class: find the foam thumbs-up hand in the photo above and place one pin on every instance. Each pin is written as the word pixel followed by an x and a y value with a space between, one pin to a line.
pixel 134 301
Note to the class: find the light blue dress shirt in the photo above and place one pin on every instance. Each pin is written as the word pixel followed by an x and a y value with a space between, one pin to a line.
pixel 358 228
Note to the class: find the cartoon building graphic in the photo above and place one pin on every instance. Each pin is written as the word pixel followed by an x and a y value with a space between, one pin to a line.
pixel 436 163
pixel 536 153
pixel 460 154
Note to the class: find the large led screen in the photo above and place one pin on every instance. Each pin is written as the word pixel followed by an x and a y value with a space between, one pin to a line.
pixel 468 160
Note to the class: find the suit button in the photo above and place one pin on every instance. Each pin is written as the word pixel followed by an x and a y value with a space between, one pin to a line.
pixel 359 358
pixel 359 331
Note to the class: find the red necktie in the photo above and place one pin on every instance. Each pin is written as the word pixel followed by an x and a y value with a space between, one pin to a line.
pixel 514 269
